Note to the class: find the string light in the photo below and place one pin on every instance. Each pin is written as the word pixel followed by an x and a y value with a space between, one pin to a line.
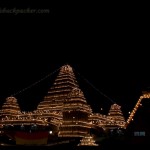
pixel 75 115
pixel 87 141
pixel 96 88
pixel 130 118
pixel 115 117
pixel 66 108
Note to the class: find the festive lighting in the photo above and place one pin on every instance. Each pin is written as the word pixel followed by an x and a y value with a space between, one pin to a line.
pixel 75 115
pixel 53 101
pixel 115 117
pixel 98 120
pixel 130 118
pixel 65 108
pixel 10 108
pixel 87 141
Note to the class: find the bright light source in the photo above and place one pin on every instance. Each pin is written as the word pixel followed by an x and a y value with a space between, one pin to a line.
pixel 50 132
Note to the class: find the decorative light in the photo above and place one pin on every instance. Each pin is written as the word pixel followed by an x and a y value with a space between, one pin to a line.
pixel 130 118
pixel 62 106
pixel 87 141
pixel 115 117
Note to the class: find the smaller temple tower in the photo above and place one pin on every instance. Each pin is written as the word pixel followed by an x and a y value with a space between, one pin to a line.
pixel 52 104
pixel 115 118
pixel 75 115
pixel 10 109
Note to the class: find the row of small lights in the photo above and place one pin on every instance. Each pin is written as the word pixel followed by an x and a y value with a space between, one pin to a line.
pixel 136 107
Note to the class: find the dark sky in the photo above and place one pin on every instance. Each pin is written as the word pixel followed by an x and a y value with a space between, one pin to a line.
pixel 106 44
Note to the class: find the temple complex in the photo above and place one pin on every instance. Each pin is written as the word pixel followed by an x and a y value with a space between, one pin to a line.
pixel 64 110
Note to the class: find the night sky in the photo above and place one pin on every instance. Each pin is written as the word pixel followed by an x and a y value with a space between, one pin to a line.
pixel 106 44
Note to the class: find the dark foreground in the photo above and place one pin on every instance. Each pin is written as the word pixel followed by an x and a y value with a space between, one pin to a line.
pixel 106 144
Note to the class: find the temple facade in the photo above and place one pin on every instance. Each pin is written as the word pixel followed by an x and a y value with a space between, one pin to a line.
pixel 64 110
pixel 76 113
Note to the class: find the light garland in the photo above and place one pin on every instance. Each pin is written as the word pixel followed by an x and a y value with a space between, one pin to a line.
pixel 115 117
pixel 75 106
pixel 62 100
pixel 138 104
pixel 87 141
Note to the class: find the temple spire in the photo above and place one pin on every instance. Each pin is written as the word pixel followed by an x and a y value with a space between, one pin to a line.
pixel 10 107
pixel 115 117
pixel 75 115
pixel 64 83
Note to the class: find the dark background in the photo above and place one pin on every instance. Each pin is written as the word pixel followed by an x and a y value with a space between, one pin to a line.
pixel 107 43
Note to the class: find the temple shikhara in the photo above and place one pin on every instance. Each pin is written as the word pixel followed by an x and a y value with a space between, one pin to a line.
pixel 63 112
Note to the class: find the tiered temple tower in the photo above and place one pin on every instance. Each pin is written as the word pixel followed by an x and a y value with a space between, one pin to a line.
pixel 52 105
pixel 75 115
pixel 12 115
pixel 10 110
pixel 115 117
pixel 63 110
pixel 63 84
pixel 10 107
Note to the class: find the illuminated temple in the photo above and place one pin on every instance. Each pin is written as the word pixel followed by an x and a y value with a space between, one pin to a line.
pixel 88 140
pixel 64 110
